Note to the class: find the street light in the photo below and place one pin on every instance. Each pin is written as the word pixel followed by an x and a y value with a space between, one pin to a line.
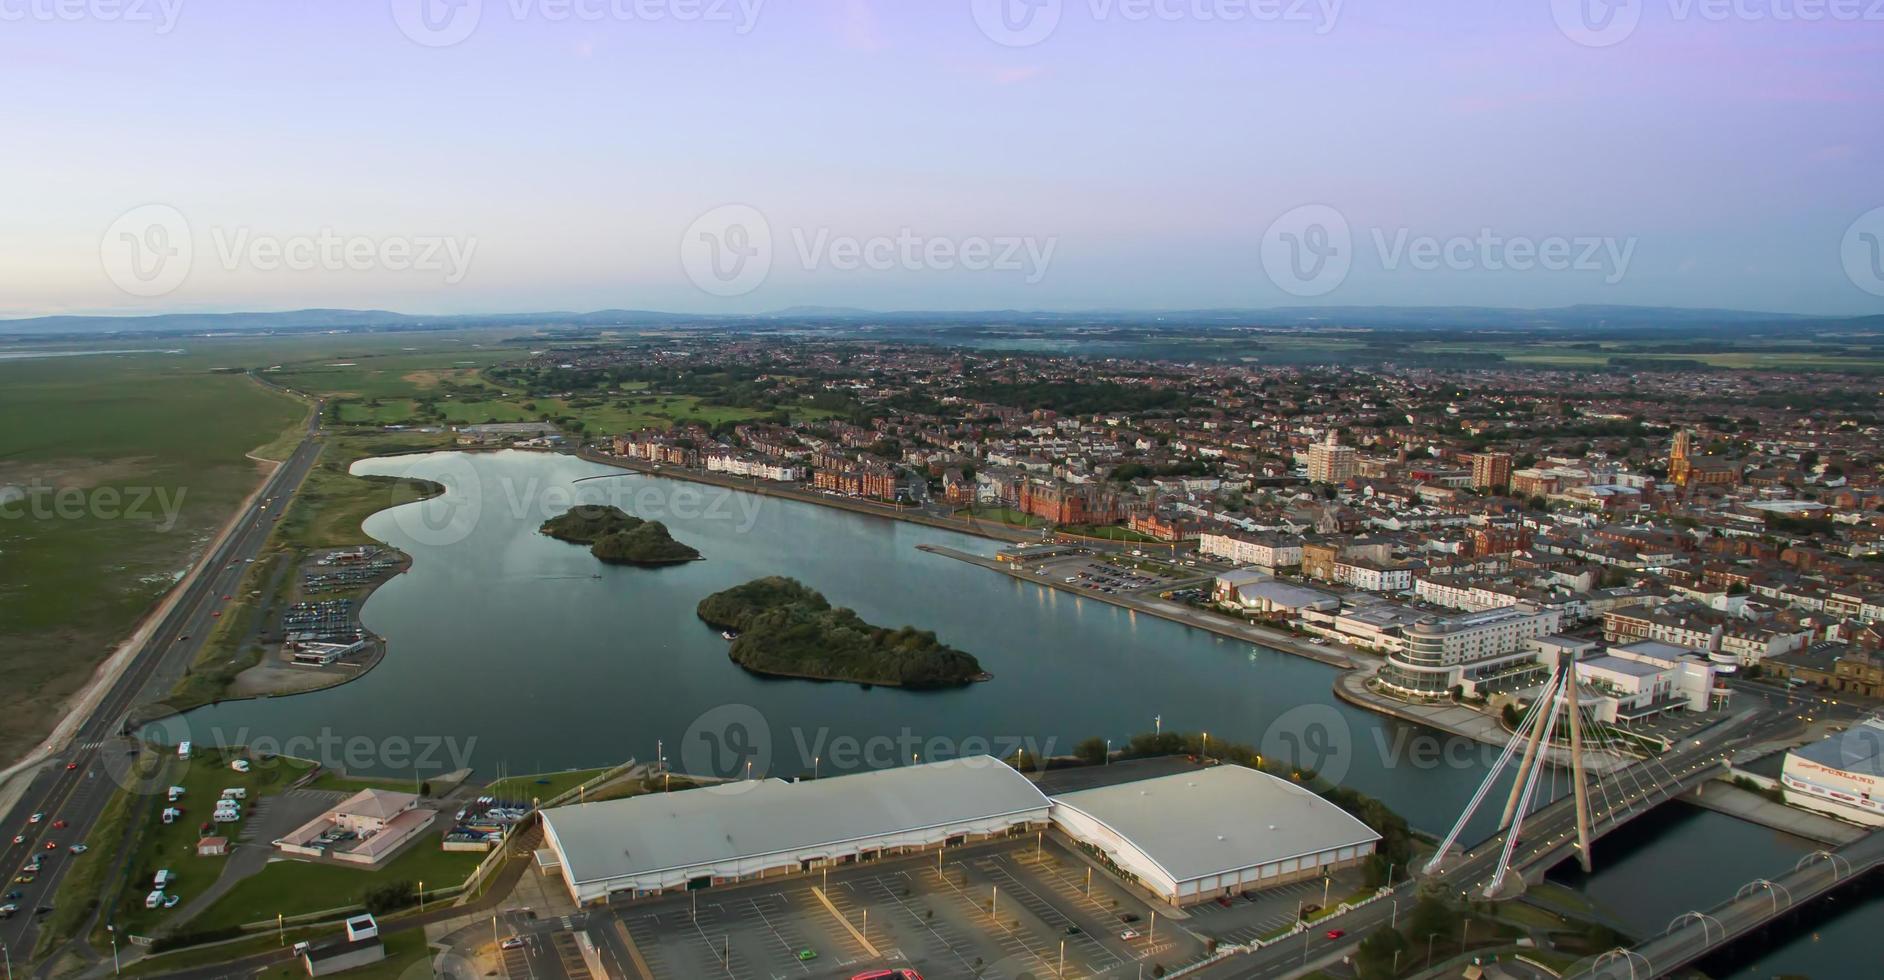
pixel 421 896
pixel 113 930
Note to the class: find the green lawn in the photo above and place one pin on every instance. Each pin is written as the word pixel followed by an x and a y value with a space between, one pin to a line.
pixel 1004 515
pixel 113 448
pixel 1110 532
pixel 172 847
pixel 543 786
pixel 297 887
pixel 335 782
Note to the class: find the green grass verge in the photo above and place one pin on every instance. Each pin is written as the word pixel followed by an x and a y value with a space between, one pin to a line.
pixel 336 782
pixel 542 786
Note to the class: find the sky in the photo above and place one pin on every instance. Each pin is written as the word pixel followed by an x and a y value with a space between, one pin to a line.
pixel 461 156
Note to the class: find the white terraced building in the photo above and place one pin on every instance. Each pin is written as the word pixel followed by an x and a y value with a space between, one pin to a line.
pixel 1195 836
pixel 663 842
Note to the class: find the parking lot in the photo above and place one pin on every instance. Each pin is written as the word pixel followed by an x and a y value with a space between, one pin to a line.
pixel 1097 574
pixel 997 911
pixel 1271 910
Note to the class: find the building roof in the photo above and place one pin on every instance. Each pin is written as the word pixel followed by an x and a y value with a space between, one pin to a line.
pixel 1225 818
pixel 1617 665
pixel 753 818
pixel 376 803
pixel 1859 749
pixel 1667 653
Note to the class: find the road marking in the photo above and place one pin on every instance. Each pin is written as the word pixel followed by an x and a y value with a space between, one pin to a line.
pixel 819 894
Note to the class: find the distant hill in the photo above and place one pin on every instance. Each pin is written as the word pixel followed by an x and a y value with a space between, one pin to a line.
pixel 1610 319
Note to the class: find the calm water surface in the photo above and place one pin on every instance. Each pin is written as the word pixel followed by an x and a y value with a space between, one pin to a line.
pixel 511 650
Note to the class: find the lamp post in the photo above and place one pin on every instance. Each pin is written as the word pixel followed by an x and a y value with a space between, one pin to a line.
pixel 421 896
pixel 8 954
pixel 1108 751
pixel 814 766
pixel 1157 724
pixel 281 932
pixel 1429 948
pixel 113 930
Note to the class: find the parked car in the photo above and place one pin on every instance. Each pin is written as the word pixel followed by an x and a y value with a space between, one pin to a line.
pixel 1129 935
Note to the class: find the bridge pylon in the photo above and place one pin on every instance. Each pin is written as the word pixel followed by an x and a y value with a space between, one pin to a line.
pixel 1531 743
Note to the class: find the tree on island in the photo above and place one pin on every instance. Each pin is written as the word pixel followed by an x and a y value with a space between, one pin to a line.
pixel 618 538
pixel 786 629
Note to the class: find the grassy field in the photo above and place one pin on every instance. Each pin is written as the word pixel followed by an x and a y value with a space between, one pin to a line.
pixel 173 846
pixel 1004 515
pixel 129 464
pixel 296 887
pixel 544 786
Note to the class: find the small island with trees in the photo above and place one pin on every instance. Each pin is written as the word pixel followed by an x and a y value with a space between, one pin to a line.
pixel 781 628
pixel 618 538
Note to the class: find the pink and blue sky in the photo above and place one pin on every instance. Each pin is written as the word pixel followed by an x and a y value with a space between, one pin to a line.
pixel 1737 158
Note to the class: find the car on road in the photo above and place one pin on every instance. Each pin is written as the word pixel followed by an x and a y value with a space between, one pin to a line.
pixel 52 845
pixel 78 848
pixel 59 825
pixel 22 879
pixel 71 766
pixel 10 896
pixel 514 942
pixel 35 818
pixel 19 839
pixel 1336 933
pixel 7 911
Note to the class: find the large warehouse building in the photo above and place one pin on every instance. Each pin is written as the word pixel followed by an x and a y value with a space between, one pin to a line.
pixel 738 831
pixel 1194 836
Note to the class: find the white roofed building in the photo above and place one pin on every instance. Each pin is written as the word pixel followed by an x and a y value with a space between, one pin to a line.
pixel 1195 836
pixel 752 829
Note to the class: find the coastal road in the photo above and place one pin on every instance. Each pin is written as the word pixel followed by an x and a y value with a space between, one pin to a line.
pixel 76 785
